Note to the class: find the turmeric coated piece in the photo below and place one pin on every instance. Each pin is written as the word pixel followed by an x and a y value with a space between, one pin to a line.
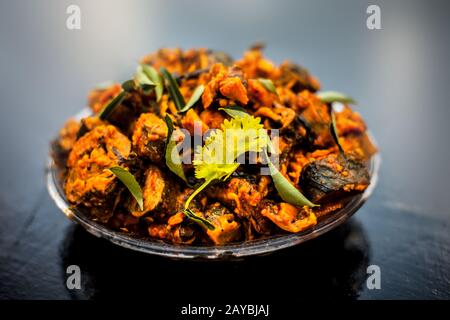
pixel 288 217
pixel 149 137
pixel 88 180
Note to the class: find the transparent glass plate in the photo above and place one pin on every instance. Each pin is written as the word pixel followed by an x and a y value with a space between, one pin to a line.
pixel 230 251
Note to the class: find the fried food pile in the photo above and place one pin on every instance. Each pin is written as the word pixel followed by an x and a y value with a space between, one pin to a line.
pixel 246 205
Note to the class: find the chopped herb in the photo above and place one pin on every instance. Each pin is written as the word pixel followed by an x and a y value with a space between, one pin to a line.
pixel 155 78
pixel 334 132
pixel 212 165
pixel 235 112
pixel 268 84
pixel 108 109
pixel 334 96
pixel 200 220
pixel 173 89
pixel 174 165
pixel 194 98
pixel 285 189
pixel 143 80
pixel 128 85
pixel 130 182
pixel 104 85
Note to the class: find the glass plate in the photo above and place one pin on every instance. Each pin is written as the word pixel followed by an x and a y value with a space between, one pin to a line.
pixel 231 251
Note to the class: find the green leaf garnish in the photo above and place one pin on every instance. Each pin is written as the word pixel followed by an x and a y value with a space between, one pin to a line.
pixel 174 165
pixel 108 109
pixel 104 85
pixel 130 182
pixel 200 220
pixel 216 160
pixel 334 96
pixel 334 132
pixel 173 89
pixel 268 84
pixel 143 80
pixel 155 78
pixel 194 98
pixel 235 111
pixel 285 189
pixel 128 85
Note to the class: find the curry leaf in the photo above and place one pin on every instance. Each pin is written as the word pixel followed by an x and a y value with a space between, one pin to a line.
pixel 155 78
pixel 334 96
pixel 128 85
pixel 285 189
pixel 235 112
pixel 194 98
pixel 104 85
pixel 173 89
pixel 143 80
pixel 200 220
pixel 173 159
pixel 130 182
pixel 108 109
pixel 334 132
pixel 268 84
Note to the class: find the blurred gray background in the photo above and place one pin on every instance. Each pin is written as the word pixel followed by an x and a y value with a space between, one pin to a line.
pixel 400 76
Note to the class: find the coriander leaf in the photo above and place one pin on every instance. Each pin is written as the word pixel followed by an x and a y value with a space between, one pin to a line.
pixel 216 159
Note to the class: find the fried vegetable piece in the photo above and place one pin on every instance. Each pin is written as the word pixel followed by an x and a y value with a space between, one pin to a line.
pixel 296 78
pixel 159 192
pixel 256 66
pixel 260 95
pixel 88 181
pixel 227 229
pixel 289 217
pixel 190 120
pixel 333 177
pixel 180 234
pixel 68 134
pixel 316 115
pixel 228 82
pixel 238 193
pixel 234 89
pixel 149 137
pixel 244 197
pixel 349 122
pixel 181 62
pixel 213 119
